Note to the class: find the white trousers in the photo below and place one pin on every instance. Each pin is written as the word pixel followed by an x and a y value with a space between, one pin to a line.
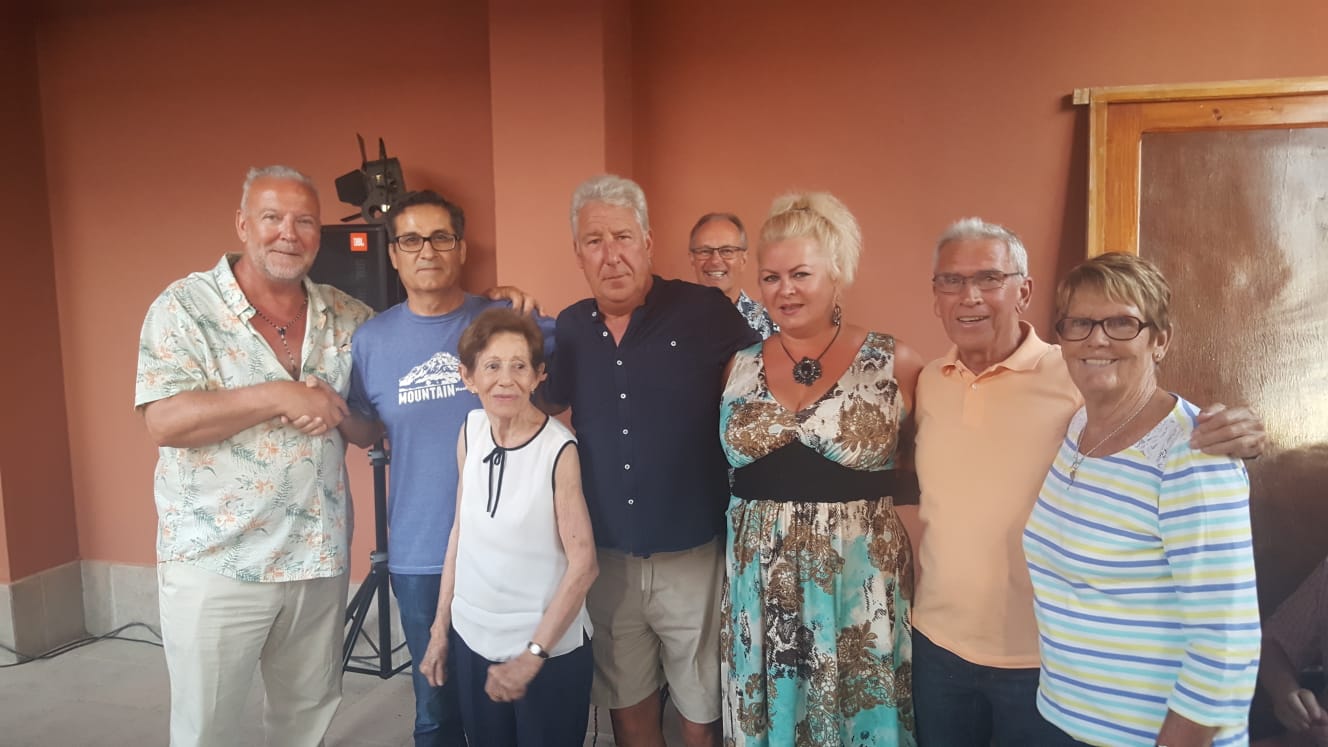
pixel 217 630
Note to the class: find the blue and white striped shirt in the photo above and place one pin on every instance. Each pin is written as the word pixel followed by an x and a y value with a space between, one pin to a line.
pixel 1143 575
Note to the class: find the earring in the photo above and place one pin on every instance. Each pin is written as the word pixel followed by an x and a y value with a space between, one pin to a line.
pixel 837 316
pixel 1157 357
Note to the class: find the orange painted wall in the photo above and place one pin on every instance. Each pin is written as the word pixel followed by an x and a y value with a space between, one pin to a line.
pixel 915 114
pixel 152 116
pixel 554 124
pixel 36 494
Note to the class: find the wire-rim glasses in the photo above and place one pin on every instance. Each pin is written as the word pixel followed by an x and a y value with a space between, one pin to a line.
pixel 951 283
pixel 725 252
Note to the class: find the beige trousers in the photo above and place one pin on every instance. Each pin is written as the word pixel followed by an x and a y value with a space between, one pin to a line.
pixel 217 631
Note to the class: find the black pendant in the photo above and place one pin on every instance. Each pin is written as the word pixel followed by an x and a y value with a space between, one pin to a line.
pixel 806 371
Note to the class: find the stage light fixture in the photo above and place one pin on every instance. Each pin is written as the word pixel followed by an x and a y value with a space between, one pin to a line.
pixel 373 186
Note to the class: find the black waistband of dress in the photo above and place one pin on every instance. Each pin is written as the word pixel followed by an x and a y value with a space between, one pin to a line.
pixel 796 473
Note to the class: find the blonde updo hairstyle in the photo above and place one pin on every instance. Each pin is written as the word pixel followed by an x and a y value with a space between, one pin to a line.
pixel 821 217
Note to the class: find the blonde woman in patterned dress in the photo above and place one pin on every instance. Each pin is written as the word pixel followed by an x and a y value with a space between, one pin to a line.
pixel 816 643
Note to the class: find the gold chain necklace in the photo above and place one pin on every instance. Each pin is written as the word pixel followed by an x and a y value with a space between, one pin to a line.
pixel 281 333
pixel 1081 455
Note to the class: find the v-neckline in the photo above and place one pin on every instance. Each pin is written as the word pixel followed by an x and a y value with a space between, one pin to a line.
pixel 765 384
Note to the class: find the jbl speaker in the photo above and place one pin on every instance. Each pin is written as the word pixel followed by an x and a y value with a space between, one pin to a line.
pixel 353 258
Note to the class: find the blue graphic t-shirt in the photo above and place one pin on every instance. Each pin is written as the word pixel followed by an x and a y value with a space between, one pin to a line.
pixel 406 373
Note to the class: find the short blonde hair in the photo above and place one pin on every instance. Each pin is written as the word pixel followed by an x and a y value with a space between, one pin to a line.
pixel 1123 278
pixel 819 216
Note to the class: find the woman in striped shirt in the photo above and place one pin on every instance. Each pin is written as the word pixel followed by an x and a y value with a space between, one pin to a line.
pixel 1139 545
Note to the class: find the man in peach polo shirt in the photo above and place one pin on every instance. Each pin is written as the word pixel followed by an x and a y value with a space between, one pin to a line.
pixel 990 417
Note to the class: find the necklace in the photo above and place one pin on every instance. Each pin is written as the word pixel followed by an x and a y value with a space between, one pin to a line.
pixel 808 370
pixel 281 332
pixel 1081 455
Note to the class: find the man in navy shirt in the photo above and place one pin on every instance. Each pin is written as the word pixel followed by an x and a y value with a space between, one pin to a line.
pixel 406 376
pixel 641 363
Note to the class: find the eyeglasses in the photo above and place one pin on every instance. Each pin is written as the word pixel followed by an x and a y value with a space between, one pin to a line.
pixel 725 252
pixel 951 283
pixel 413 242
pixel 1119 328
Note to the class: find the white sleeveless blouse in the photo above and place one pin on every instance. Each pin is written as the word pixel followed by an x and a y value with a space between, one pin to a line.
pixel 510 558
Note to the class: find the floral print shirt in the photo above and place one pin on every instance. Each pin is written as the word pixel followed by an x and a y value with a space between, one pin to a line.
pixel 268 503
pixel 756 315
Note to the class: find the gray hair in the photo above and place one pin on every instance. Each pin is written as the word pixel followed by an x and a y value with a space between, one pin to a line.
pixel 711 218
pixel 275 171
pixel 611 190
pixel 819 216
pixel 976 228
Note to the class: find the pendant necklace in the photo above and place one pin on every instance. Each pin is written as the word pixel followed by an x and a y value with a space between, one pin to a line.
pixel 281 333
pixel 1081 455
pixel 808 370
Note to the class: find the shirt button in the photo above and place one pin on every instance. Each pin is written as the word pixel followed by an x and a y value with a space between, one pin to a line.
pixel 627 466
pixel 594 313
pixel 631 501
pixel 605 333
pixel 623 395
pixel 624 431
pixel 673 343
pixel 619 363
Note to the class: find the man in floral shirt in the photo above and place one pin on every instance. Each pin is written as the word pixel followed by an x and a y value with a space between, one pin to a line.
pixel 242 371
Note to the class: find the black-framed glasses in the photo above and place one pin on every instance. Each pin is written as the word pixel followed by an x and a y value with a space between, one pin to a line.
pixel 725 252
pixel 1119 328
pixel 441 241
pixel 951 283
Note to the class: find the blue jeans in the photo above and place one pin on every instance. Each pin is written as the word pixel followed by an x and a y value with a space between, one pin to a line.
pixel 437 713
pixel 961 704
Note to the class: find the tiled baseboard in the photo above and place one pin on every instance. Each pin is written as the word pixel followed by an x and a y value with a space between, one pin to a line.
pixel 93 597
pixel 41 612
pixel 116 594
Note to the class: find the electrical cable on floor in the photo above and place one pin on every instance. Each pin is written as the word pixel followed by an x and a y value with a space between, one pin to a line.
pixel 23 658
pixel 80 643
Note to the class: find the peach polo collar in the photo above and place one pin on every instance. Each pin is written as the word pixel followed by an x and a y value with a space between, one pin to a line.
pixel 1026 357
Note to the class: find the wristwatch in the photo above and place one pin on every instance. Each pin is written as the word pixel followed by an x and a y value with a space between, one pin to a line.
pixel 537 650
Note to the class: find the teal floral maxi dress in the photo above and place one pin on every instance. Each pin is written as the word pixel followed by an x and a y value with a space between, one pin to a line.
pixel 816 646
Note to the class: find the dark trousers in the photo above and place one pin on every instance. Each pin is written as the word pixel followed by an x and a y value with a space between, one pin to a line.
pixel 437 711
pixel 961 704
pixel 552 713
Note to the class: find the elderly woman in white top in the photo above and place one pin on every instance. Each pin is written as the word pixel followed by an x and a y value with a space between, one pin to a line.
pixel 511 603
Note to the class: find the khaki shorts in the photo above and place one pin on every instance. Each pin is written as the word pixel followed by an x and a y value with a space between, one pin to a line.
pixel 656 620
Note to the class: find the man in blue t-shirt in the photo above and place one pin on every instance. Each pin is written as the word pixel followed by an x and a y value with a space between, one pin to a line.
pixel 406 380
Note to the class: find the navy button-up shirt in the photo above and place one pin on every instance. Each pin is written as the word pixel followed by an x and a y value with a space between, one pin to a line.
pixel 646 413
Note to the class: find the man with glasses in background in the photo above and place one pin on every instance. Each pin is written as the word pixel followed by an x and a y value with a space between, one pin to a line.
pixel 406 384
pixel 990 417
pixel 718 245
